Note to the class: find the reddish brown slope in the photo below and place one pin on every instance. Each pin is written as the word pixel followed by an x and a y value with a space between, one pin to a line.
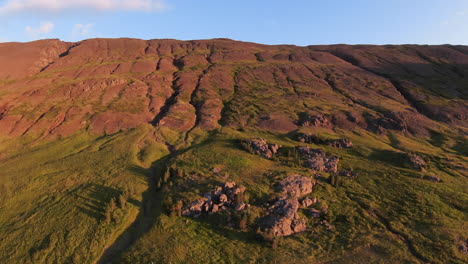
pixel 50 88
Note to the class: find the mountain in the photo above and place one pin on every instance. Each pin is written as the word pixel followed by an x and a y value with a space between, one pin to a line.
pixel 167 151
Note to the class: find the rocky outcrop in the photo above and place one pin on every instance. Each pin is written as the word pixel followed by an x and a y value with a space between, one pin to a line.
pixel 283 219
pixel 348 173
pixel 309 138
pixel 318 160
pixel 314 120
pixel 259 146
pixel 416 162
pixel 314 139
pixel 226 197
pixel 340 143
pixel 307 202
pixel 389 121
pixel 296 186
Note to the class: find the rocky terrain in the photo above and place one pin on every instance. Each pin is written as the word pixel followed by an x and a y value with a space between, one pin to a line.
pixel 167 151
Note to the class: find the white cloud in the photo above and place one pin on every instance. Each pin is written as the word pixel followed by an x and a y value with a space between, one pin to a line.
pixel 44 28
pixel 13 6
pixel 82 29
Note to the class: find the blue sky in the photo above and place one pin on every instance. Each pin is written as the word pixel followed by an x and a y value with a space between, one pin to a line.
pixel 300 22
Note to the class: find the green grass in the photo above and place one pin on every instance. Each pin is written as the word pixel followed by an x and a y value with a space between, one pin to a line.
pixel 429 215
pixel 54 196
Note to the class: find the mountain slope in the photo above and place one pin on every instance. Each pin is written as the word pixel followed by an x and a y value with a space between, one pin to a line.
pixel 84 123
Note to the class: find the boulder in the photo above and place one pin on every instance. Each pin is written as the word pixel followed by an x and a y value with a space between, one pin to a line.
pixel 306 202
pixel 317 159
pixel 195 209
pixel 340 143
pixel 282 218
pixel 296 185
pixel 322 164
pixel 306 151
pixel 314 120
pixel 259 146
pixel 309 138
pixel 416 162
pixel 348 173
pixel 222 198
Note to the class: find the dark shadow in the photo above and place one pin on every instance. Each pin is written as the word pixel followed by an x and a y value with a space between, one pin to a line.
pixel 397 159
pixel 95 199
pixel 394 142
pixel 150 209
pixel 437 139
pixel 91 213
pixel 461 147
pixel 215 224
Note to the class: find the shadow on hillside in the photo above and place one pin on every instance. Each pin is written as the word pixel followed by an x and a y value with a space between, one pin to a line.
pixel 150 209
pixel 95 199
pixel 397 159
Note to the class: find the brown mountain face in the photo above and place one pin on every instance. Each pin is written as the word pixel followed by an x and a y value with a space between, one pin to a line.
pixel 51 88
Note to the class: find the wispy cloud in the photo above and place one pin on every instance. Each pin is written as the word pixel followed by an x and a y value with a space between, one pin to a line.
pixel 82 29
pixel 14 6
pixel 44 28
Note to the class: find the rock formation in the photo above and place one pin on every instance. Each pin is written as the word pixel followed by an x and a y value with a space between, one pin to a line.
pixel 318 160
pixel 309 138
pixel 283 219
pixel 417 162
pixel 226 197
pixel 314 120
pixel 348 173
pixel 340 143
pixel 259 146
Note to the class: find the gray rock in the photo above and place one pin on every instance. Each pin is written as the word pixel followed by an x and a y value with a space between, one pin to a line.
pixel 307 202
pixel 296 185
pixel 417 162
pixel 221 198
pixel 259 146
pixel 348 173
pixel 282 218
pixel 340 143
pixel 318 160
pixel 315 120
pixel 309 138
pixel 195 209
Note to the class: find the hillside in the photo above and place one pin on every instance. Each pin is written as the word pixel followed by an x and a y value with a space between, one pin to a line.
pixel 108 147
